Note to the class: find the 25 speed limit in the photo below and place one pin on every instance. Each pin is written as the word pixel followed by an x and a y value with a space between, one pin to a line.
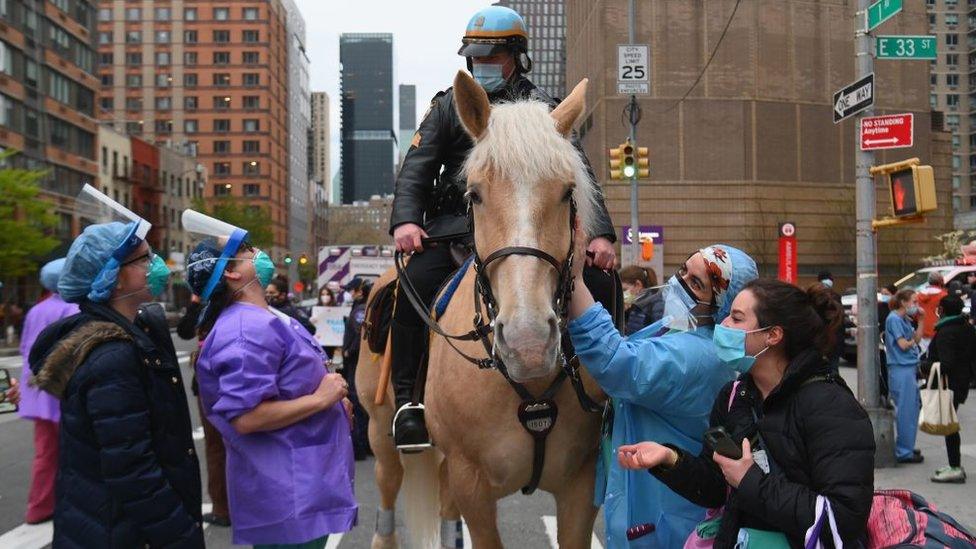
pixel 632 72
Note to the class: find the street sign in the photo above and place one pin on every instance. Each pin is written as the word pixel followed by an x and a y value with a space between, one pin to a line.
pixel 891 131
pixel 905 47
pixel 881 11
pixel 788 270
pixel 854 98
pixel 633 69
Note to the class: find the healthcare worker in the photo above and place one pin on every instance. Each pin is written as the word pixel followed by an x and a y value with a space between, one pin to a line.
pixel 127 470
pixel 38 406
pixel 264 385
pixel 662 381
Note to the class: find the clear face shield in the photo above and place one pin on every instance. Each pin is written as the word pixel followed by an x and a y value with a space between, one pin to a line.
pixel 686 311
pixel 225 239
pixel 95 207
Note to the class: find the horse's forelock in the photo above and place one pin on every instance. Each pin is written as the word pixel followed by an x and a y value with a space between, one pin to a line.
pixel 523 146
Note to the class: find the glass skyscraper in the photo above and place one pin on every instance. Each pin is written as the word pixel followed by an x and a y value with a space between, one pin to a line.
pixel 546 22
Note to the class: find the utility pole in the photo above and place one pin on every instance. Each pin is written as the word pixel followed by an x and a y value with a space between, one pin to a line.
pixel 634 116
pixel 868 375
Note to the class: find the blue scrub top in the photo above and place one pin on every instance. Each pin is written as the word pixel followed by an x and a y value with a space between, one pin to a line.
pixel 897 326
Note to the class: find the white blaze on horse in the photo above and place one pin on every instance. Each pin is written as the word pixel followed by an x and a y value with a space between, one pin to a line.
pixel 525 182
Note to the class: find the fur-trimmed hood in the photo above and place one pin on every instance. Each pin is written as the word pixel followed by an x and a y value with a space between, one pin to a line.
pixel 69 352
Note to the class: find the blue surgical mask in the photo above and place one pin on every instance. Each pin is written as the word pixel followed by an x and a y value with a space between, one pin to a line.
pixel 828 283
pixel 489 76
pixel 680 305
pixel 884 298
pixel 912 310
pixel 264 267
pixel 730 346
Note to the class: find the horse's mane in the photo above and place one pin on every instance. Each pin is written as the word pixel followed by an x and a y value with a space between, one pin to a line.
pixel 522 144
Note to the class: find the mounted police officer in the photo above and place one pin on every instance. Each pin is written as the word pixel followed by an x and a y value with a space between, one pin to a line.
pixel 429 200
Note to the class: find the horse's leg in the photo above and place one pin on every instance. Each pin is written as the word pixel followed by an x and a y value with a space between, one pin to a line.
pixel 451 533
pixel 473 497
pixel 575 512
pixel 389 475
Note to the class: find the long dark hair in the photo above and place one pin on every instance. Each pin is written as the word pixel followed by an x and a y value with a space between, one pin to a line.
pixel 636 273
pixel 808 318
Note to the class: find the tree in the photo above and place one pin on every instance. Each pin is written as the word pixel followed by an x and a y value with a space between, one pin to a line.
pixel 252 218
pixel 26 222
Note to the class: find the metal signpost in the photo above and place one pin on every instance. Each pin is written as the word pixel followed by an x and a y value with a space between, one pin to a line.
pixel 633 78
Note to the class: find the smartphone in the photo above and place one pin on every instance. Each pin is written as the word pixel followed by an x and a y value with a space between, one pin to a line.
pixel 5 407
pixel 720 442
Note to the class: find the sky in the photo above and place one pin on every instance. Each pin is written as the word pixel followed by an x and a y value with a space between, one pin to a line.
pixel 426 37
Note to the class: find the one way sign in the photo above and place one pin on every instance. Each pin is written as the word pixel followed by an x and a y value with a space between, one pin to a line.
pixel 854 98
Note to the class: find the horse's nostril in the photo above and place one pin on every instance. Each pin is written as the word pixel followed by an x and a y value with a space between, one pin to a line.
pixel 499 338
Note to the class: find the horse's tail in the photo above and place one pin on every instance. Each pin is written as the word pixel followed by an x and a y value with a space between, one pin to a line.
pixel 421 493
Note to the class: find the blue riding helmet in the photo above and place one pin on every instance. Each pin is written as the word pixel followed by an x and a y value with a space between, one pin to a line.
pixel 493 30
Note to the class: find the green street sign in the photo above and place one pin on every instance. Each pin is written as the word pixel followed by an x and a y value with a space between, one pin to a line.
pixel 905 47
pixel 881 11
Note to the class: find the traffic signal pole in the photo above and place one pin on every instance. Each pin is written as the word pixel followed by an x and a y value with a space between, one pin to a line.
pixel 634 118
pixel 868 374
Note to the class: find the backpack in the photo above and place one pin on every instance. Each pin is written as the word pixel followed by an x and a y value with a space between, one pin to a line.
pixel 904 519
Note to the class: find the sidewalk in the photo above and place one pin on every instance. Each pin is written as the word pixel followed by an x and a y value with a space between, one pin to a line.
pixel 954 499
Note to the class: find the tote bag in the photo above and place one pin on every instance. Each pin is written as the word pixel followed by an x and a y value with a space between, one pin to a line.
pixel 938 415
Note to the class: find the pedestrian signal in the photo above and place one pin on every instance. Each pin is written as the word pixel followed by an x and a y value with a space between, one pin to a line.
pixel 912 191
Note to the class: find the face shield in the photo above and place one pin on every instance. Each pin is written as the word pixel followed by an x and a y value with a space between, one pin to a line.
pixel 215 243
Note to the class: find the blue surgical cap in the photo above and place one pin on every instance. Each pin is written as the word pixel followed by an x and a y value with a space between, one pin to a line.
pixel 50 273
pixel 90 271
pixel 200 264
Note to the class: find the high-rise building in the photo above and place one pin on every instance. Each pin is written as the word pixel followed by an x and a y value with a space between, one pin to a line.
pixel 546 22
pixel 321 140
pixel 299 121
pixel 210 78
pixel 47 98
pixel 752 143
pixel 954 27
pixel 408 117
pixel 366 99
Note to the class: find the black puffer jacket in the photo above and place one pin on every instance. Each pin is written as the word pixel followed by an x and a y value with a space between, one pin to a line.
pixel 128 474
pixel 441 142
pixel 954 346
pixel 822 444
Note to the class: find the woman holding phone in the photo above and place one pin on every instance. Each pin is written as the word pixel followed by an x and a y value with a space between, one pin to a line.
pixel 792 428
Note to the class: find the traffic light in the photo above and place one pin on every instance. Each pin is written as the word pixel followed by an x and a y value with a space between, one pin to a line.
pixel 287 259
pixel 643 163
pixel 629 162
pixel 303 259
pixel 616 155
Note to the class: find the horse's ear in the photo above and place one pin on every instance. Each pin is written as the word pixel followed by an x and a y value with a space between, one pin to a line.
pixel 569 111
pixel 472 105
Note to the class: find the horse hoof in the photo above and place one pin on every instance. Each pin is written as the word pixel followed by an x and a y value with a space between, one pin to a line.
pixel 384 542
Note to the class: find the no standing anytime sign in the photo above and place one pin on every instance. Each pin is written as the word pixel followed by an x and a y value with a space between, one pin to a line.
pixel 891 131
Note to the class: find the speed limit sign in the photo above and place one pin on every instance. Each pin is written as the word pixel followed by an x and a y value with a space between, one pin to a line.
pixel 633 69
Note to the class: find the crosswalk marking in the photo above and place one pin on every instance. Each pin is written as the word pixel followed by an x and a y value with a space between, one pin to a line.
pixel 28 536
pixel 549 522
pixel 333 542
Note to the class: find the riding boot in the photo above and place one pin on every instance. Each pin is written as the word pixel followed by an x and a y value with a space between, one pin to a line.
pixel 409 428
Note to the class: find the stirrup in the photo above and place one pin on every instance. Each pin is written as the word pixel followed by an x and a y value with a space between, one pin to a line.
pixel 417 447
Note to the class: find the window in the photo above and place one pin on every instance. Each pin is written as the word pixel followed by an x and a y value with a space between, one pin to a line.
pixel 221 102
pixel 133 14
pixel 952 120
pixel 221 58
pixel 133 103
pixel 952 79
pixel 107 80
pixel 133 80
pixel 162 37
pixel 106 103
pixel 190 80
pixel 133 58
pixel 59 87
pixel 133 37
pixel 30 73
pixel 250 14
pixel 956 163
pixel 221 36
pixel 252 79
pixel 190 103
pixel 251 58
pixel 105 37
pixel 952 19
pixel 162 14
pixel 952 39
pixel 252 189
pixel 164 126
pixel 952 100
pixel 190 36
pixel 252 167
pixel 190 58
pixel 250 36
pixel 221 79
pixel 221 190
pixel 952 59
pixel 163 80
pixel 221 125
pixel 252 102
pixel 106 58
pixel 252 125
pixel 164 103
pixel 252 146
pixel 190 14
pixel 955 182
pixel 162 58
pixel 190 126
pixel 221 14
pixel 221 168
pixel 221 147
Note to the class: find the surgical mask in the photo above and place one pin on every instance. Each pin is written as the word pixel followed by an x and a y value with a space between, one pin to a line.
pixel 912 310
pixel 730 346
pixel 628 297
pixel 828 283
pixel 489 76
pixel 264 267
pixel 157 276
pixel 884 298
pixel 679 305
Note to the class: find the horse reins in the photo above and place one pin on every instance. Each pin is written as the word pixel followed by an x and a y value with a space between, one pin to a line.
pixel 537 415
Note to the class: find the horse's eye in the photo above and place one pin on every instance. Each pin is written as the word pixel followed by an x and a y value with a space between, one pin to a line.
pixel 568 196
pixel 474 197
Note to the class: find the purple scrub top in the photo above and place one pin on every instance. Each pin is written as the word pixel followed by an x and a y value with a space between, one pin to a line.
pixel 35 403
pixel 294 484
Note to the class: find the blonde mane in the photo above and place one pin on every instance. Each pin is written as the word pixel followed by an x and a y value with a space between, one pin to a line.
pixel 522 145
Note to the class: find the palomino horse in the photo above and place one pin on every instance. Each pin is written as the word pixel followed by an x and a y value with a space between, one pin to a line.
pixel 525 181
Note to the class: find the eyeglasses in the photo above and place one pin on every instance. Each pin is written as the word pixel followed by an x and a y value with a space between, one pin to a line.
pixel 148 257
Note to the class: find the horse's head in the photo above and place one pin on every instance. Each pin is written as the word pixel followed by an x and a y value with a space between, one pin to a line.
pixel 525 179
